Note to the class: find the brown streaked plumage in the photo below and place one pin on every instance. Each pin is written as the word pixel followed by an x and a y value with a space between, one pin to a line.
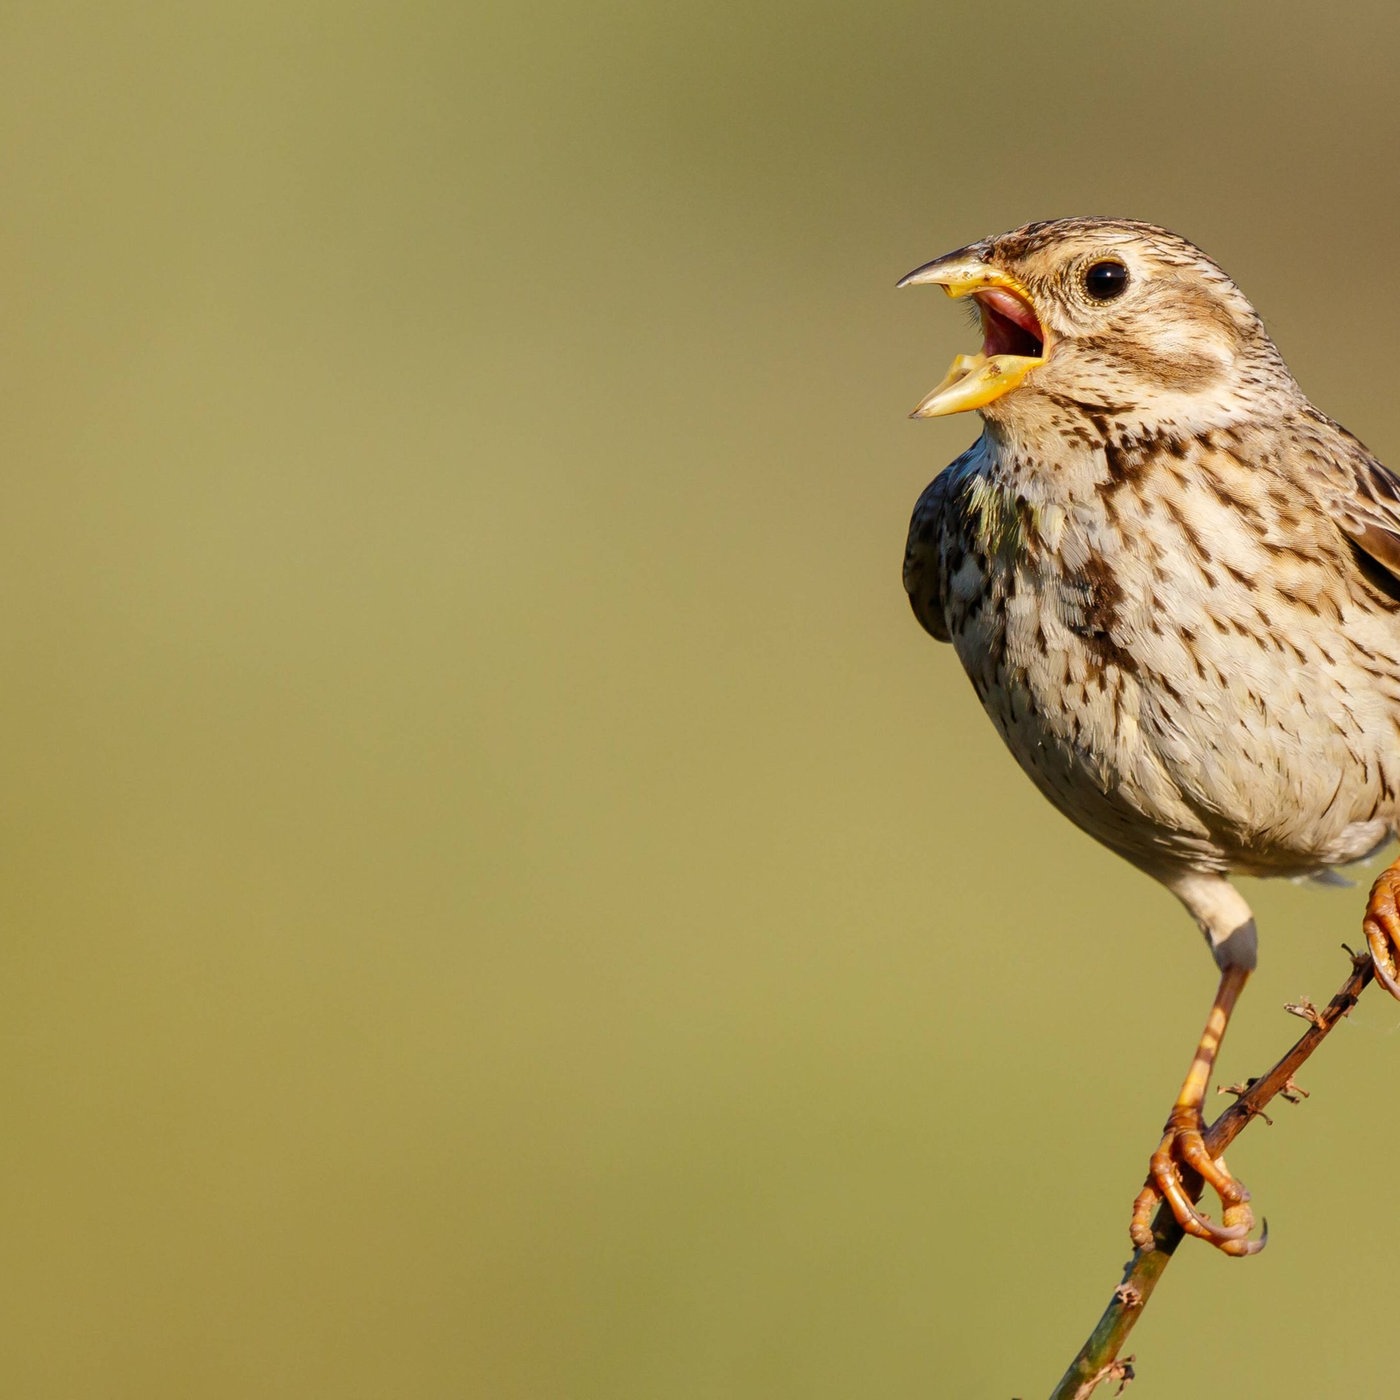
pixel 1175 587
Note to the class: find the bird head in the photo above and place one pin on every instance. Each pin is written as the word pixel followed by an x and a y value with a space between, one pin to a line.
pixel 1106 316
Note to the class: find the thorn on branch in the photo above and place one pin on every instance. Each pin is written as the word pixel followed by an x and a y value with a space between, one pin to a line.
pixel 1238 1089
pixel 1304 1008
pixel 1294 1093
pixel 1120 1371
pixel 1250 1110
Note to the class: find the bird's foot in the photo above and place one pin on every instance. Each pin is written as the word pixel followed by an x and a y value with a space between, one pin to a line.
pixel 1382 928
pixel 1183 1146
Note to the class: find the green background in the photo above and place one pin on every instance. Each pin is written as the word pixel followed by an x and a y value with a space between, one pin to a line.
pixel 499 898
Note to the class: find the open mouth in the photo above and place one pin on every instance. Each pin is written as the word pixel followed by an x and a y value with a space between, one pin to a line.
pixel 1009 326
pixel 1013 340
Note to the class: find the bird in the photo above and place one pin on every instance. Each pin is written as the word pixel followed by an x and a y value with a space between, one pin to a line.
pixel 1174 584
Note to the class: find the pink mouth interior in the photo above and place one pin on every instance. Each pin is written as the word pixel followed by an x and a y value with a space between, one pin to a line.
pixel 1009 326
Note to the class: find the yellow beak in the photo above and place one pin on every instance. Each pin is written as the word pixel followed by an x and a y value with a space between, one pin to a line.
pixel 974 380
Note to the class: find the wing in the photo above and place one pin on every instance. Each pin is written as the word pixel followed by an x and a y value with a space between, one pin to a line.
pixel 923 562
pixel 1360 494
pixel 1367 507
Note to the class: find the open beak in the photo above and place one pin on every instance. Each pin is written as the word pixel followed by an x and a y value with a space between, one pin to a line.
pixel 1013 340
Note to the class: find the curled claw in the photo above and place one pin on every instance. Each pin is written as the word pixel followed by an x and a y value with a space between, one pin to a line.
pixel 1382 928
pixel 1186 1146
pixel 1241 1249
pixel 1183 1146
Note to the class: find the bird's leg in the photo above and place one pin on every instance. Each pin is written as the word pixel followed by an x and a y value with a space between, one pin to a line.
pixel 1183 1145
pixel 1382 928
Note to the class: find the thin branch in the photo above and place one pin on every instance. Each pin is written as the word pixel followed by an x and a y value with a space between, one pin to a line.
pixel 1098 1357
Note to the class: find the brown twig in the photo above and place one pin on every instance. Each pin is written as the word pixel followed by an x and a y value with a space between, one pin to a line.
pixel 1098 1357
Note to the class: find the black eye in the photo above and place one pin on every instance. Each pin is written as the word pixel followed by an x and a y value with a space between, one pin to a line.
pixel 1105 280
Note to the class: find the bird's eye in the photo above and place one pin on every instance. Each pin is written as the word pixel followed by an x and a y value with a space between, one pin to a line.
pixel 1105 280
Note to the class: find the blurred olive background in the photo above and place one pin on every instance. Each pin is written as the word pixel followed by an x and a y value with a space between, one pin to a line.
pixel 500 898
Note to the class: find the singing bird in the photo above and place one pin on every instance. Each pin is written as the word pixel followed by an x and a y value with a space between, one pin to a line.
pixel 1175 587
